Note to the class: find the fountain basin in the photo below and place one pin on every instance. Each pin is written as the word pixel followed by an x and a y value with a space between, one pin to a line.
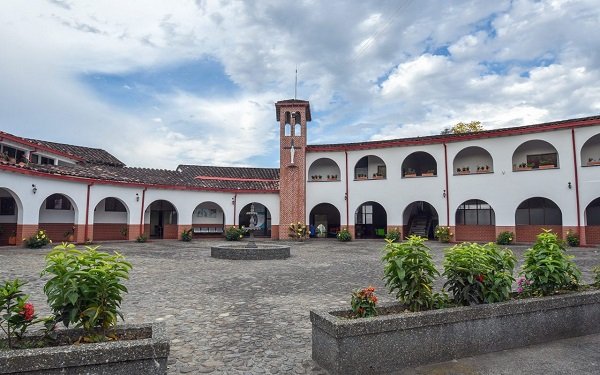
pixel 243 252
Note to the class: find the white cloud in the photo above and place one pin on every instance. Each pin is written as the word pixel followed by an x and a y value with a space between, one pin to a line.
pixel 370 70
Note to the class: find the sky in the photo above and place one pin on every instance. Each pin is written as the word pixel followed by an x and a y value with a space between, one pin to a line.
pixel 160 83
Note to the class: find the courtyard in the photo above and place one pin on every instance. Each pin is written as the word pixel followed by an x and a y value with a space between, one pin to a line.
pixel 252 317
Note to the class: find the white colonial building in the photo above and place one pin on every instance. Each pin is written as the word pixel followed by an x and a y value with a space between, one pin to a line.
pixel 480 184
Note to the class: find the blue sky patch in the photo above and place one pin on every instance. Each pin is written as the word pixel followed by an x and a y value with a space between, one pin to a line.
pixel 204 78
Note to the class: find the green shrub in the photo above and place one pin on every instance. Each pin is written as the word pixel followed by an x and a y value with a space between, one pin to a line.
pixel 478 273
pixel 344 235
pixel 394 235
pixel 364 303
pixel 40 239
pixel 85 288
pixel 505 238
pixel 141 238
pixel 442 234
pixel 234 234
pixel 596 271
pixel 187 234
pixel 572 239
pixel 409 272
pixel 548 266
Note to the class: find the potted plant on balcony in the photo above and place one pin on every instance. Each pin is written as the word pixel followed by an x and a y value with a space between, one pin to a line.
pixel 84 293
pixel 410 172
pixel 429 173
pixel 546 164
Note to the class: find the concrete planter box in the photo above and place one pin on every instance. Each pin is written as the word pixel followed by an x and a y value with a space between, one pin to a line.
pixel 142 356
pixel 389 343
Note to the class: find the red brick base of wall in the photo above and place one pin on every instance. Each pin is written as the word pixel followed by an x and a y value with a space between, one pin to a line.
pixel 170 232
pixel 108 232
pixel 592 234
pixel 274 232
pixel 475 233
pixel 8 230
pixel 56 231
pixel 24 231
pixel 528 233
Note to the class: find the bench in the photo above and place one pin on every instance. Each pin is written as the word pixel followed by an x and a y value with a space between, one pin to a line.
pixel 207 230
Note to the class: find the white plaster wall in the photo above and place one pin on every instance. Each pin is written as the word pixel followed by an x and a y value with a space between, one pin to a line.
pixel 327 191
pixel 589 177
pixel 30 203
pixel 270 201
pixel 472 157
pixel 186 202
pixel 127 196
pixel 101 216
pixel 208 220
pixel 534 147
pixel 504 189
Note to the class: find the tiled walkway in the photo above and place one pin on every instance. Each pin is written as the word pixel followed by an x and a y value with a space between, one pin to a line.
pixel 248 317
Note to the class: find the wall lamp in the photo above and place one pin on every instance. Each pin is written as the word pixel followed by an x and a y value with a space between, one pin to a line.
pixel 569 185
pixel 444 194
pixel 33 188
pixel 137 197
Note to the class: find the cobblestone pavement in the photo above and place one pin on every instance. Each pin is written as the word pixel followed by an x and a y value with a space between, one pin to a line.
pixel 239 317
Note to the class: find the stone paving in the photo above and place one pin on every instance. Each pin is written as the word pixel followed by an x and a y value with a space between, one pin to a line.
pixel 239 317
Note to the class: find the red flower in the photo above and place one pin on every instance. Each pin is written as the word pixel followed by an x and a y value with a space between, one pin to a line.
pixel 480 278
pixel 27 312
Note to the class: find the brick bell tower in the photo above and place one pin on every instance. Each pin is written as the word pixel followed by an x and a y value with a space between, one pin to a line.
pixel 292 115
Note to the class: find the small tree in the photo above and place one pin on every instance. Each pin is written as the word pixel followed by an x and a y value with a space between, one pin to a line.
pixel 462 127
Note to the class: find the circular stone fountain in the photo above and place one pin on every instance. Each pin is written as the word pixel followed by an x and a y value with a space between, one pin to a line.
pixel 252 250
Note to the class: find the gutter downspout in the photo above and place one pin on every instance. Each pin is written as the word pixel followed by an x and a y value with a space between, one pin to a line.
pixel 87 212
pixel 234 207
pixel 347 196
pixel 447 188
pixel 576 180
pixel 142 211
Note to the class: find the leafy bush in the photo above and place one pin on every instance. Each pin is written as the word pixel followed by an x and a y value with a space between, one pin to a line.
pixel 442 234
pixel 548 266
pixel 234 234
pixel 186 235
pixel 344 235
pixel 298 231
pixel 393 235
pixel 16 314
pixel 141 238
pixel 572 239
pixel 596 271
pixel 85 288
pixel 40 239
pixel 478 273
pixel 505 238
pixel 409 272
pixel 364 302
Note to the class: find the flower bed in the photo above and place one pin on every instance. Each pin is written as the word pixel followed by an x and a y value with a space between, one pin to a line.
pixel 146 354
pixel 395 341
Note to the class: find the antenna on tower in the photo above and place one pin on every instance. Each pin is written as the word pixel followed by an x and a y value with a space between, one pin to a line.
pixel 296 84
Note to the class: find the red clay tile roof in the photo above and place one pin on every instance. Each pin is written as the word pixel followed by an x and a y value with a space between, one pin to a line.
pixel 164 177
pixel 441 138
pixel 88 154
